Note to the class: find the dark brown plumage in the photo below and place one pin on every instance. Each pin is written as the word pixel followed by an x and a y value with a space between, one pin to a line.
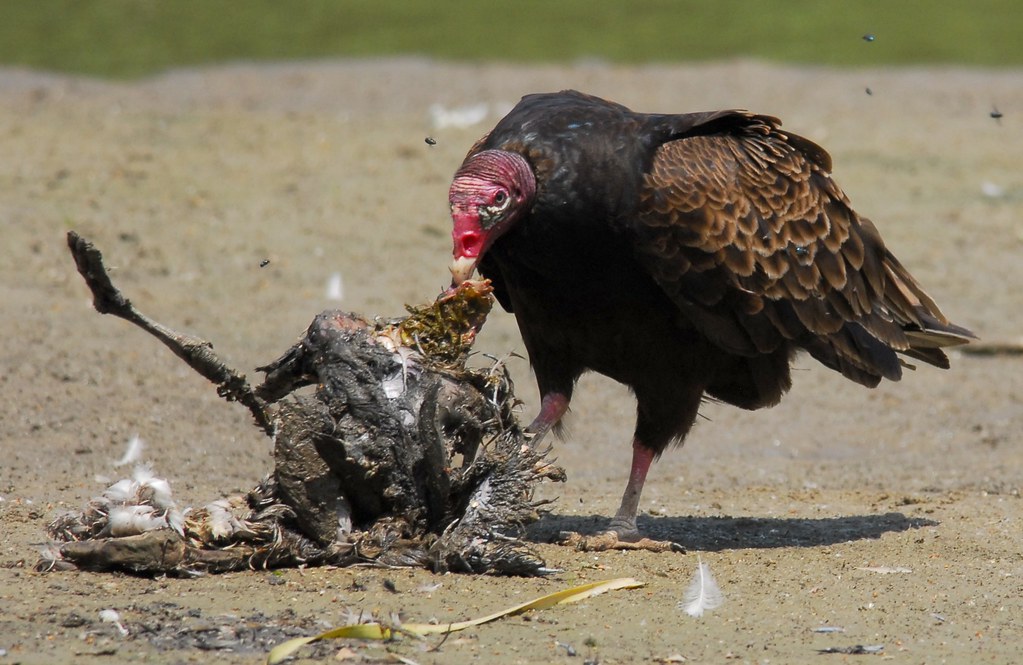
pixel 683 255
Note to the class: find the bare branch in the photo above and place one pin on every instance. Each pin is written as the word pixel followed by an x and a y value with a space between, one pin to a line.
pixel 197 353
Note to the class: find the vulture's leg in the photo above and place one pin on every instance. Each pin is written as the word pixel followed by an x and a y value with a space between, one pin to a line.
pixel 553 406
pixel 663 415
pixel 623 534
pixel 624 522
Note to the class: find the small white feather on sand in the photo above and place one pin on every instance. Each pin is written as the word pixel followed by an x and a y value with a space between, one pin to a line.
pixel 703 593
pixel 459 117
pixel 335 287
pixel 133 451
pixel 112 616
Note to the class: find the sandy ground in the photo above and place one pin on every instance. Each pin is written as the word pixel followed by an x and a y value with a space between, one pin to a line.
pixel 893 514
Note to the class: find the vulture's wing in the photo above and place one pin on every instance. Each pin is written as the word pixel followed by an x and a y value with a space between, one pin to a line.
pixel 745 230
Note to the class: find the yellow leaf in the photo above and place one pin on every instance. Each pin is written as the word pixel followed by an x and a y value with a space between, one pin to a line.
pixel 375 631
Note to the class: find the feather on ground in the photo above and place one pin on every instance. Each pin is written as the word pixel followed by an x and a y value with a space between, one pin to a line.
pixel 703 593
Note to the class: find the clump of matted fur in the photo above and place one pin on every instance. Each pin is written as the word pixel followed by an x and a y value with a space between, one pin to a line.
pixel 401 454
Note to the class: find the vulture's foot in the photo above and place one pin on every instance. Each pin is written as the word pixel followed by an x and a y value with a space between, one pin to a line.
pixel 613 540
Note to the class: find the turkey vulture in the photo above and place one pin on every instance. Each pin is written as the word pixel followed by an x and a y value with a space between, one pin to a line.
pixel 687 256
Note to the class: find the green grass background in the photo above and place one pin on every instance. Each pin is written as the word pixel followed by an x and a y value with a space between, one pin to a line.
pixel 132 38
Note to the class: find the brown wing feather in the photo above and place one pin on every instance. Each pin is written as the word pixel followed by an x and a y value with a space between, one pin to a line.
pixel 757 245
pixel 476 147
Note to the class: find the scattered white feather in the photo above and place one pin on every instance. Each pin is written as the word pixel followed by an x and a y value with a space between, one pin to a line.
pixel 703 593
pixel 135 505
pixel 131 521
pixel 394 385
pixel 112 616
pixel 992 190
pixel 142 488
pixel 142 473
pixel 133 452
pixel 335 287
pixel 221 520
pixel 224 522
pixel 176 520
pixel 109 616
pixel 161 494
pixel 462 116
pixel 344 518
pixel 152 490
pixel 121 492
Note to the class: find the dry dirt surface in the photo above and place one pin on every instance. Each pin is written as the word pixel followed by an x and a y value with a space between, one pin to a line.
pixel 889 517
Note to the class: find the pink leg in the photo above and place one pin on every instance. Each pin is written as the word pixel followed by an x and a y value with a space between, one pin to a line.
pixel 623 534
pixel 624 522
pixel 552 408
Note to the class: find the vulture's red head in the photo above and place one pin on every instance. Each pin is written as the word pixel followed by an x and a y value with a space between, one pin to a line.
pixel 489 193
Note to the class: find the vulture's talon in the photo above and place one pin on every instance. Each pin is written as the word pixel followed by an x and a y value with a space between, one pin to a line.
pixel 611 540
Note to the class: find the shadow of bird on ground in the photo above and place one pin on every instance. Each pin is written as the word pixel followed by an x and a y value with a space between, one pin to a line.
pixel 721 533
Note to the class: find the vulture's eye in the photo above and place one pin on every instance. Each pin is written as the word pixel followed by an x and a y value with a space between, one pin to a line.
pixel 500 198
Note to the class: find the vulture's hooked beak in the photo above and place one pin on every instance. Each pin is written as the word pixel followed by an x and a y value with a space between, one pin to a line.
pixel 462 268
